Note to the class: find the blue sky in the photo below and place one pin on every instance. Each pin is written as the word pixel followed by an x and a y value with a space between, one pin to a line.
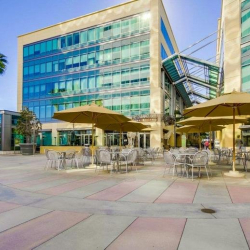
pixel 191 20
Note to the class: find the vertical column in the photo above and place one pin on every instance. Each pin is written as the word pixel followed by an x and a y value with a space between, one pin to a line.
pixel 100 137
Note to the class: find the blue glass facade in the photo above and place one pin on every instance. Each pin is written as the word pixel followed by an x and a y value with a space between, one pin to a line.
pixel 166 37
pixel 164 54
pixel 107 64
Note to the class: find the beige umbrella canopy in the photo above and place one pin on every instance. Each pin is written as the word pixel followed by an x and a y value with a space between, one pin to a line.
pixel 198 129
pixel 220 120
pixel 129 126
pixel 229 104
pixel 147 130
pixel 93 114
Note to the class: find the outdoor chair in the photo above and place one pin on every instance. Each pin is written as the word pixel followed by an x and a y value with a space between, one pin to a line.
pixel 205 152
pixel 199 161
pixel 55 158
pixel 104 158
pixel 171 162
pixel 247 158
pixel 70 156
pixel 216 155
pixel 46 151
pixel 128 159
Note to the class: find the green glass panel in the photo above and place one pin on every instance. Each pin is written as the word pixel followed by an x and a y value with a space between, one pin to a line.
pixel 246 78
pixel 83 37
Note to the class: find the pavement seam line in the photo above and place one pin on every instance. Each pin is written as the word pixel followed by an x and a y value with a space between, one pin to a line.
pixel 210 214
pixel 243 233
pixel 62 231
pixel 121 232
pixel 182 233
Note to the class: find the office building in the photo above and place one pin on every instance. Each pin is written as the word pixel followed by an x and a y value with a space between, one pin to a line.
pixel 112 57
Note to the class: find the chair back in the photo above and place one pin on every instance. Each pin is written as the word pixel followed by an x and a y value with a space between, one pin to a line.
pixel 132 156
pixel 46 151
pixel 200 159
pixel 53 155
pixel 104 156
pixel 168 157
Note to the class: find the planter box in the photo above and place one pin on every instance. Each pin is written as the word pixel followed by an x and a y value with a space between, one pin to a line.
pixel 27 148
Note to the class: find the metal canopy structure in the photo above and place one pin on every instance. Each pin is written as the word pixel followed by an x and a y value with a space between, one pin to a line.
pixel 196 80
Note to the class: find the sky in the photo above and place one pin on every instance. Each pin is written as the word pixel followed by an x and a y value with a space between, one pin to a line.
pixel 191 20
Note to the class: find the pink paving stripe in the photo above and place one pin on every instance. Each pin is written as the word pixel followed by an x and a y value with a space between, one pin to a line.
pixel 35 182
pixel 245 224
pixel 70 186
pixel 118 191
pixel 150 233
pixel 239 194
pixel 35 232
pixel 6 206
pixel 179 192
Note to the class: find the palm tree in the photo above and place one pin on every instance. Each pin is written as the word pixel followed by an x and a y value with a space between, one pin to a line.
pixel 3 62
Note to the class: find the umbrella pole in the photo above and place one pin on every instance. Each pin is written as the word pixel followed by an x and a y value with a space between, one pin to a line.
pixel 233 139
pixel 92 160
pixel 210 136
pixel 200 139
pixel 120 139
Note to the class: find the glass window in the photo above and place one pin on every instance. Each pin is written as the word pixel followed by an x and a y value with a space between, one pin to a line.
pixel 246 78
pixel 144 49
pixel 116 104
pixel 83 60
pixel 107 55
pixel 145 102
pixel 144 21
pixel 99 81
pixel 125 103
pixel 91 81
pixel 135 102
pixel 62 86
pixel 55 44
pixel 99 57
pixel 63 42
pixel 37 49
pixel 49 66
pixel 36 111
pixel 116 27
pixel 42 112
pixel 55 66
pixel 37 69
pixel 76 61
pixel 37 90
pixel 25 92
pixel 83 37
pixel 43 47
pixel 61 107
pixel 62 64
pixel 107 103
pixel 84 83
pixel 68 105
pixel 163 53
pixel 135 51
pixel 25 51
pixel 69 63
pixel 107 79
pixel 76 83
pixel 76 104
pixel 69 85
pixel 91 35
pixel 166 37
pixel 49 46
pixel 31 70
pixel 134 24
pixel 117 79
pixel 26 71
pixel 76 38
pixel 31 50
pixel 116 54
pixel 135 76
pixel 56 87
pixel 125 77
pixel 99 33
pixel 125 53
pixel 245 23
pixel 144 74
pixel 31 91
pixel 42 90
pixel 69 40
pixel 91 58
pixel 107 31
pixel 43 68
pixel 125 27
pixel 48 111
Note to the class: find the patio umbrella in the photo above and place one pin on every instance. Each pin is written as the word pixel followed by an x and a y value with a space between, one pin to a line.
pixel 93 114
pixel 147 130
pixel 198 129
pixel 229 104
pixel 220 120
pixel 128 126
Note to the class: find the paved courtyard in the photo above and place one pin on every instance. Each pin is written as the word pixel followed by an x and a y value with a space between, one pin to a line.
pixel 84 210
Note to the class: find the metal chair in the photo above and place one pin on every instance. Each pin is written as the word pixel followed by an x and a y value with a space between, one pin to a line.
pixel 199 161
pixel 104 158
pixel 172 162
pixel 129 158
pixel 56 158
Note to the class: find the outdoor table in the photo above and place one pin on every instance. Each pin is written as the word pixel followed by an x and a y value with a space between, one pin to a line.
pixel 116 156
pixel 187 154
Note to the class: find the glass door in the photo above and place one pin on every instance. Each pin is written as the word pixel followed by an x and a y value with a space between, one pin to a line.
pixel 144 140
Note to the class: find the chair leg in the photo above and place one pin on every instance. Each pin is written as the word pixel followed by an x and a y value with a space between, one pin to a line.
pixel 192 173
pixel 207 172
